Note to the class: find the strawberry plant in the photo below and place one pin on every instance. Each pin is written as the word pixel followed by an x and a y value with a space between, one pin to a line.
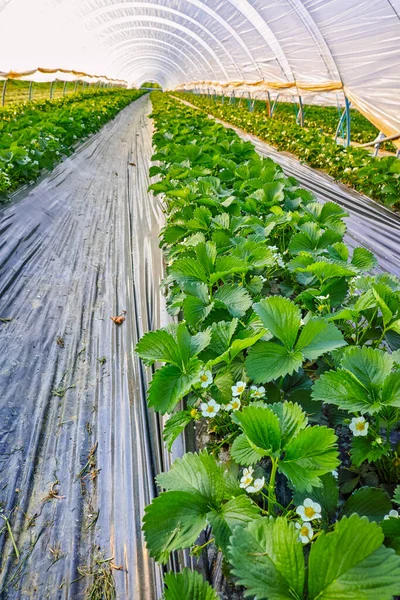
pixel 286 349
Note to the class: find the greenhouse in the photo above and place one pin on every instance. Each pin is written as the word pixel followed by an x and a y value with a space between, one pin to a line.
pixel 199 299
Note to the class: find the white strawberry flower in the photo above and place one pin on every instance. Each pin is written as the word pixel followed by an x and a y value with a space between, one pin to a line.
pixel 309 510
pixel 359 426
pixel 257 392
pixel 257 486
pixel 209 409
pixel 205 378
pixel 305 532
pixel 238 388
pixel 247 477
pixel 234 404
pixel 393 514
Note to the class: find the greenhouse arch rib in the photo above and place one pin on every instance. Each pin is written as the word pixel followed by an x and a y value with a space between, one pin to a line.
pixel 123 5
pixel 159 43
pixel 169 33
pixel 172 24
pixel 137 59
pixel 134 18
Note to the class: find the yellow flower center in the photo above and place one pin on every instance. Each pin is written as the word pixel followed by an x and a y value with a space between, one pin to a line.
pixel 203 377
pixel 235 405
pixel 193 412
pixel 360 426
pixel 309 511
pixel 304 531
pixel 248 480
pixel 210 409
pixel 240 389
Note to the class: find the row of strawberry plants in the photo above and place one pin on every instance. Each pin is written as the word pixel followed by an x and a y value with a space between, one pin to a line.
pixel 36 136
pixel 378 178
pixel 289 353
pixel 323 118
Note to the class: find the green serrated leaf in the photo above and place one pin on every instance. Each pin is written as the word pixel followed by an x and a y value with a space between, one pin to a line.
pixel 237 300
pixel 187 584
pixel 267 558
pixel 261 426
pixel 292 419
pixel 237 512
pixel 169 385
pixel 173 521
pixel 363 448
pixel 351 562
pixel 221 335
pixel 308 456
pixel 319 337
pixel 174 426
pixel 206 253
pixel 158 346
pixel 363 259
pixel 391 530
pixel 268 361
pixel 188 270
pixel 195 311
pixel 243 453
pixel 364 383
pixel 221 389
pixel 196 473
pixel 281 317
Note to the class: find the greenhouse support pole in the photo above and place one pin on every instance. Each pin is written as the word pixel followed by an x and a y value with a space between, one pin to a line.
pixel 269 105
pixel 274 106
pixel 3 96
pixel 223 98
pixel 301 113
pixel 249 102
pixel 377 146
pixel 340 124
pixel 30 91
pixel 348 127
pixel 75 86
pixel 51 90
pixel 65 88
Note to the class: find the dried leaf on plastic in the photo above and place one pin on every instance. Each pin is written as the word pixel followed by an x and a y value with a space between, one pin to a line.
pixel 118 320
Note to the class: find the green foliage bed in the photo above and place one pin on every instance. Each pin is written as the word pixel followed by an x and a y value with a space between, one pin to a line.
pixel 37 135
pixel 323 118
pixel 289 351
pixel 378 178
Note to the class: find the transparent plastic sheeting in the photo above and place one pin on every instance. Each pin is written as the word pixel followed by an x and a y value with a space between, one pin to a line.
pixel 298 45
pixel 46 75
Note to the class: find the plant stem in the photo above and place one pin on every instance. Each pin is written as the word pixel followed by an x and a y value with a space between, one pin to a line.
pixel 11 536
pixel 271 486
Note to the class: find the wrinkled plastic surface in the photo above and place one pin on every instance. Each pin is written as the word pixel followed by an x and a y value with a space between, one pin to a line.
pixel 314 43
pixel 78 248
